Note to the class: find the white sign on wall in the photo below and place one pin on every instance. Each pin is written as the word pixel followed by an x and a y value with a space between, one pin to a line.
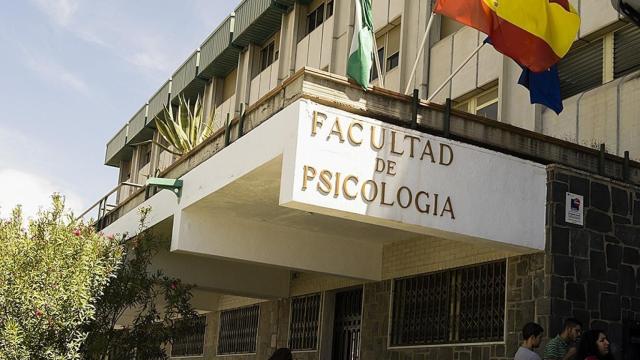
pixel 363 169
pixel 574 209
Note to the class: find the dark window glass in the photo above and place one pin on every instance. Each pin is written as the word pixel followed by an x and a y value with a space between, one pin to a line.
pixel 311 22
pixel 267 56
pixel 319 15
pixel 392 61
pixel 626 51
pixel 329 9
pixel 374 69
pixel 581 69
pixel 464 305
pixel 190 339
pixel 305 317
pixel 238 331
pixel 490 111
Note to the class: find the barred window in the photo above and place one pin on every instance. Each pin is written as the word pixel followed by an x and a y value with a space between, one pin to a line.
pixel 305 317
pixel 464 305
pixel 190 340
pixel 238 331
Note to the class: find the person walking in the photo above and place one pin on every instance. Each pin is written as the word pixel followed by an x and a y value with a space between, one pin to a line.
pixel 594 345
pixel 531 337
pixel 563 346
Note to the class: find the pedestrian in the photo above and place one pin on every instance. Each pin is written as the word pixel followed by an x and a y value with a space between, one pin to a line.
pixel 564 345
pixel 282 354
pixel 594 345
pixel 531 337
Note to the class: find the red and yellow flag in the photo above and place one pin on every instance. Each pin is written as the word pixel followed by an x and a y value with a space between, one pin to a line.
pixel 535 33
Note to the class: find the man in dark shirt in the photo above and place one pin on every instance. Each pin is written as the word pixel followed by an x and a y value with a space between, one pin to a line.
pixel 563 346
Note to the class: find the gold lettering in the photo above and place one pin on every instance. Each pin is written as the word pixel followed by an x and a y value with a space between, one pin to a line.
pixel 380 138
pixel 380 165
pixel 309 173
pixel 450 151
pixel 426 204
pixel 428 151
pixel 382 190
pixel 316 122
pixel 373 187
pixel 391 168
pixel 399 197
pixel 352 140
pixel 345 191
pixel 325 179
pixel 336 190
pixel 413 142
pixel 435 205
pixel 393 144
pixel 448 207
pixel 336 129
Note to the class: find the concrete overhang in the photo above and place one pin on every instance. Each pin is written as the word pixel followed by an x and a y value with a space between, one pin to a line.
pixel 245 219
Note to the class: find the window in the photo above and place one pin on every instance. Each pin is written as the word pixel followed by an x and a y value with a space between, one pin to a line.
pixel 190 341
pixel 329 9
pixel 589 65
pixel 464 305
pixel 388 43
pixel 626 51
pixel 484 104
pixel 581 69
pixel 238 331
pixel 305 318
pixel 374 69
pixel 267 56
pixel 316 18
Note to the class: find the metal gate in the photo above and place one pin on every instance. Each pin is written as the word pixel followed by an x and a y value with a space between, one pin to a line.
pixel 346 325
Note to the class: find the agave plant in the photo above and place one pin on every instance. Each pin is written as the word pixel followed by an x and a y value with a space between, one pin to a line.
pixel 188 128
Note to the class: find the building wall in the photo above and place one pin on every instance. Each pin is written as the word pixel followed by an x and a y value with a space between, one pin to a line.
pixel 590 272
pixel 594 269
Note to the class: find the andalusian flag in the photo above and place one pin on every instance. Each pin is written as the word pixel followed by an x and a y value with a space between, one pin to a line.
pixel 360 54
pixel 534 33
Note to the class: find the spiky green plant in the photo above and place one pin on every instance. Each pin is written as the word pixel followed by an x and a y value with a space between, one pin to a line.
pixel 187 128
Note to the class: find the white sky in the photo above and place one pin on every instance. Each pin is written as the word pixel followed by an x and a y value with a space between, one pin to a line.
pixel 74 72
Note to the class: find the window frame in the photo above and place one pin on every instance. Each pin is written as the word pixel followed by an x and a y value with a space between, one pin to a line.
pixel 316 346
pixel 388 62
pixel 202 317
pixel 449 343
pixel 471 103
pixel 255 339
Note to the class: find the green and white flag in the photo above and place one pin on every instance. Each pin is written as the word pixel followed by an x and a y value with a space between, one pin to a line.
pixel 360 54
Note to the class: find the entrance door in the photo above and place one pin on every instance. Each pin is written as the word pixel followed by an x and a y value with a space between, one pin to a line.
pixel 346 325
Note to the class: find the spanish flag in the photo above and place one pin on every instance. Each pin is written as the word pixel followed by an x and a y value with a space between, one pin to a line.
pixel 535 33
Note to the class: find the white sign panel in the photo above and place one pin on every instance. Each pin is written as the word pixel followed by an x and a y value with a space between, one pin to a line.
pixel 363 169
pixel 574 209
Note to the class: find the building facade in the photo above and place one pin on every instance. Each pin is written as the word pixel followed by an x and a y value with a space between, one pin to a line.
pixel 372 225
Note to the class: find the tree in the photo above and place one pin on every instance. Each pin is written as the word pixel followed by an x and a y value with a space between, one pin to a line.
pixel 51 274
pixel 158 305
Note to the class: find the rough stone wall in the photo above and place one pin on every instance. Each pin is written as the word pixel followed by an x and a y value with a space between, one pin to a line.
pixel 594 269
pixel 525 285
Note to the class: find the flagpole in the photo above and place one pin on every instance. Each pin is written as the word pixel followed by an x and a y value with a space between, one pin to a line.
pixel 420 51
pixel 377 60
pixel 455 72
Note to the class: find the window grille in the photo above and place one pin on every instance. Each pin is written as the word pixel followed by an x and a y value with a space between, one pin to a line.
pixel 238 331
pixel 190 342
pixel 305 318
pixel 581 69
pixel 464 305
pixel 625 52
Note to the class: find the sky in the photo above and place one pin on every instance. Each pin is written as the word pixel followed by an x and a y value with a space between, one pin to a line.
pixel 73 73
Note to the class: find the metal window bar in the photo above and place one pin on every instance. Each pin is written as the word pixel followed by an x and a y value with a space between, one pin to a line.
pixel 191 342
pixel 464 305
pixel 346 332
pixel 305 318
pixel 238 331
